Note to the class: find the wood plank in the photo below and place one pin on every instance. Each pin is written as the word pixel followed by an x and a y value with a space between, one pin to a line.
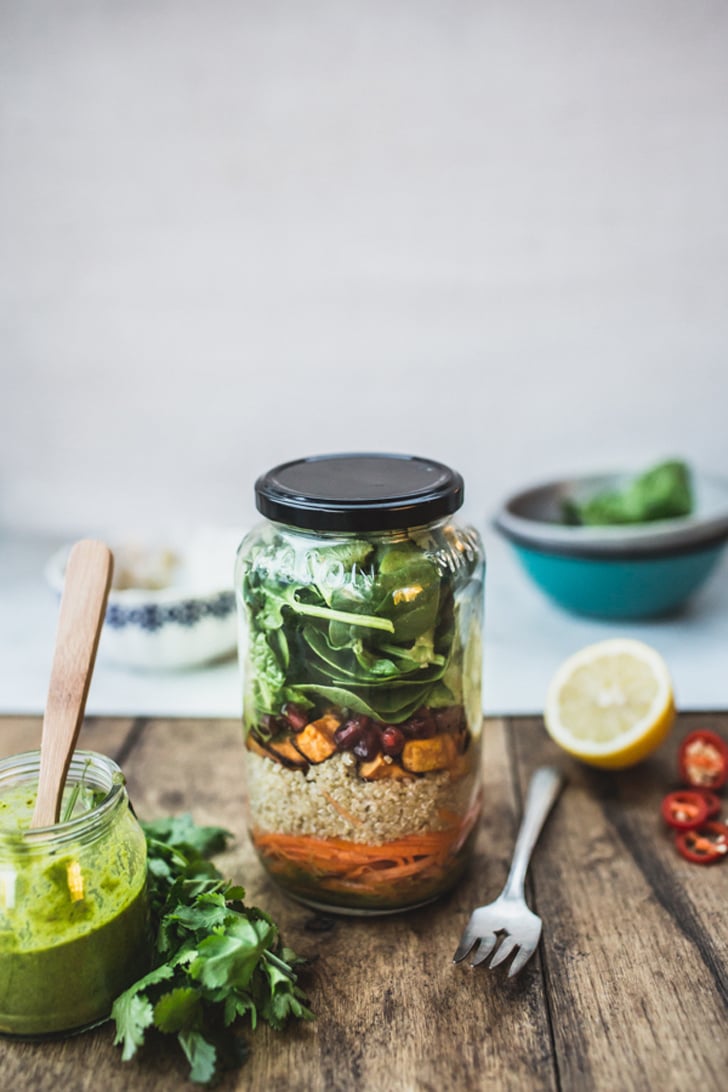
pixel 393 1011
pixel 635 938
pixel 385 991
pixel 109 735
pixel 634 948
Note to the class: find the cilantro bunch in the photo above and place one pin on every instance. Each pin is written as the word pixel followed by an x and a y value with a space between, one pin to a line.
pixel 215 959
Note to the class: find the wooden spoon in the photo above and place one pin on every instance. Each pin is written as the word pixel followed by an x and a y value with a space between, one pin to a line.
pixel 83 605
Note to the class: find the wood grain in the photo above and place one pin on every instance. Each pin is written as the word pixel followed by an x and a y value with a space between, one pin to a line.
pixel 636 948
pixel 112 736
pixel 385 991
pixel 631 993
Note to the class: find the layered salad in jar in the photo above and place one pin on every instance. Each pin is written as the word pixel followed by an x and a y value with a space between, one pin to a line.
pixel 362 710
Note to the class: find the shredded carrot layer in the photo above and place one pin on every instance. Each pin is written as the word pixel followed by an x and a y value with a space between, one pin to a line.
pixel 335 864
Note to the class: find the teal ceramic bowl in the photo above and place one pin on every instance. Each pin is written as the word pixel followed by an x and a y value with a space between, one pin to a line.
pixel 628 572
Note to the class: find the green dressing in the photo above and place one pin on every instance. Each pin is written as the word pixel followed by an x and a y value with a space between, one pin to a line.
pixel 73 910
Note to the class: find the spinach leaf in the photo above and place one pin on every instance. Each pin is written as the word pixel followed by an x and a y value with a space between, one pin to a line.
pixel 662 492
pixel 368 626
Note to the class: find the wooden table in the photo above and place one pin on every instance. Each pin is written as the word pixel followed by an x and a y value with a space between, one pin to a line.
pixel 629 989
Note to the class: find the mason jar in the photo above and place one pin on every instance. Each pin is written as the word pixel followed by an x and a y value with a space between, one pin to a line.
pixel 360 604
pixel 73 906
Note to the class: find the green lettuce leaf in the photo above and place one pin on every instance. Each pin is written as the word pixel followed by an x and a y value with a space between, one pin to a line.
pixel 662 492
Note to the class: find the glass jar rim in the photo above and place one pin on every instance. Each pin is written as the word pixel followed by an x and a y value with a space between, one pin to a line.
pixel 101 771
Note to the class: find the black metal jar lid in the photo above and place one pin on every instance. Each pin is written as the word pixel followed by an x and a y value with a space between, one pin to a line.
pixel 359 492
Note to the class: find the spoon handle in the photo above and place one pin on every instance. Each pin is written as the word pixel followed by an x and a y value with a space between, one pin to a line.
pixel 83 605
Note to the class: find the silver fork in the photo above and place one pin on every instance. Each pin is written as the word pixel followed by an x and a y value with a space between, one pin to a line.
pixel 508 919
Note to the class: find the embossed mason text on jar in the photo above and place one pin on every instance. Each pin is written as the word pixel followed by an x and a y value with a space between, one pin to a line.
pixel 360 604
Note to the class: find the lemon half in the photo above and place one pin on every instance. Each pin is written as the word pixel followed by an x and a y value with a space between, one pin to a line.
pixel 611 704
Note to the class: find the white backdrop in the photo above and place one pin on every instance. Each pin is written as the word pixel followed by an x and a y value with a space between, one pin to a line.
pixel 235 232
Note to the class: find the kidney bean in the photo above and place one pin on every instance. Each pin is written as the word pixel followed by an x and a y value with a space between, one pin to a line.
pixel 421 725
pixel 350 732
pixel 369 745
pixel 296 716
pixel 271 726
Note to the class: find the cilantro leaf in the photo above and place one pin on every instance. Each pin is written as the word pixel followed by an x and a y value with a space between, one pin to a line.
pixel 181 832
pixel 239 1004
pixel 201 1055
pixel 217 961
pixel 208 911
pixel 133 1015
pixel 285 1003
pixel 178 1010
pixel 231 959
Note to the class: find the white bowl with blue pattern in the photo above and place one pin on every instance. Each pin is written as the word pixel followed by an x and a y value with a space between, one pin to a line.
pixel 188 621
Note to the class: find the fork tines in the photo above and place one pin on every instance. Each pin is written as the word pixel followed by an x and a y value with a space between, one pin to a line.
pixel 498 942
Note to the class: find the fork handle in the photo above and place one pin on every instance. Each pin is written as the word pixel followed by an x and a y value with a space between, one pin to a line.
pixel 543 791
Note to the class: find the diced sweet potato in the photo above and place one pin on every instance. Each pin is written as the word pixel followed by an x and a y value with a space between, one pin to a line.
pixel 426 755
pixel 286 753
pixel 316 741
pixel 256 746
pixel 378 769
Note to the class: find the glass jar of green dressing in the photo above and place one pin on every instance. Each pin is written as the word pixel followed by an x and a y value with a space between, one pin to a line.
pixel 73 907
pixel 360 601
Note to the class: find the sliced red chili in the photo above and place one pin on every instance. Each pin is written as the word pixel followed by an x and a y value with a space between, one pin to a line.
pixel 705 844
pixel 703 760
pixel 685 810
pixel 712 800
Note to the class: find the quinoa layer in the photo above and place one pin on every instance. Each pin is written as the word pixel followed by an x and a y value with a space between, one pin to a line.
pixel 331 800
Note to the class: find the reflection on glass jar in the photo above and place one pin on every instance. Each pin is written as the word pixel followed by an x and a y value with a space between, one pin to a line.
pixel 360 603
pixel 73 907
